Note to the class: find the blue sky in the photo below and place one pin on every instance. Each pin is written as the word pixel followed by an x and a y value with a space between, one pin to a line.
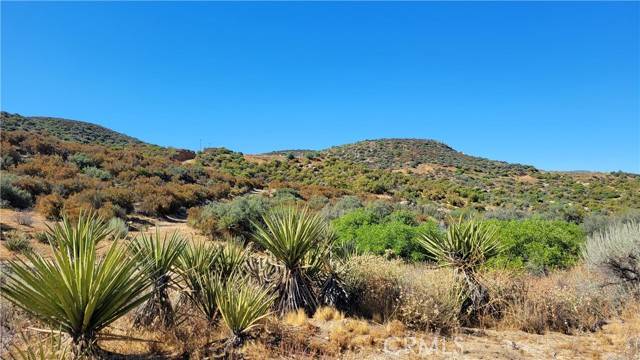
pixel 556 85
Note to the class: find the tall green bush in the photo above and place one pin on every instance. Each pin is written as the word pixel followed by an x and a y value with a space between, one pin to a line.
pixel 392 235
pixel 538 245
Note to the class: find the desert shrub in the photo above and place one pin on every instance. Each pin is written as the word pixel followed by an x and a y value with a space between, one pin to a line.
pixel 17 241
pixel 24 218
pixel 429 299
pixel 598 222
pixel 343 206
pixel 82 160
pixel 41 237
pixel 616 253
pixel 33 185
pixel 87 200
pixel 287 194
pixel 231 218
pixel 97 173
pixel 12 196
pixel 505 214
pixel 123 197
pixel 317 202
pixel 381 233
pixel 566 301
pixel 50 206
pixel 118 228
pixel 374 285
pixel 538 245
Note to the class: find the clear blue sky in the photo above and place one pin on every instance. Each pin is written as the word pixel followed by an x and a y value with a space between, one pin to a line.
pixel 556 85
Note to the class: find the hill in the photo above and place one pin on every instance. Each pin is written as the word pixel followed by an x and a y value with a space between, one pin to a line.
pixel 411 153
pixel 65 129
pixel 76 164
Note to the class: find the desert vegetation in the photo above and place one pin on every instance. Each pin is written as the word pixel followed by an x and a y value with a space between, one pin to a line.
pixel 346 252
pixel 287 275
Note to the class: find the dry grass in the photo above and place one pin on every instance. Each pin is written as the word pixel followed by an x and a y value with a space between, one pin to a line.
pixel 326 313
pixel 295 318
pixel 567 301
pixel 430 299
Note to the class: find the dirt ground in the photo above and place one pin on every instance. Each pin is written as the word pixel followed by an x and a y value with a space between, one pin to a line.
pixel 138 224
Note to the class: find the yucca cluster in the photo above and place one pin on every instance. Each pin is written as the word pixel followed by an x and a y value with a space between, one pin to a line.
pixel 81 292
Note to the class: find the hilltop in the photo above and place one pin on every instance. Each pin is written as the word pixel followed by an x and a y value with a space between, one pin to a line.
pixel 411 153
pixel 65 129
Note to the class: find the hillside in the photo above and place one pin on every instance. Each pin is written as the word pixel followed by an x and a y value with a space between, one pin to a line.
pixel 71 160
pixel 64 129
pixel 411 153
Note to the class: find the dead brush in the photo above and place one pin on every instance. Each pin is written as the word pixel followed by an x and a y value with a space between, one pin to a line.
pixel 326 313
pixel 567 302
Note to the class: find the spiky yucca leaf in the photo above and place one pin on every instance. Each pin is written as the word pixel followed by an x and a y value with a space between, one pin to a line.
pixel 290 235
pixel 209 286
pixel 50 348
pixel 69 234
pixel 465 246
pixel 156 256
pixel 76 291
pixel 242 306
pixel 230 257
pixel 195 261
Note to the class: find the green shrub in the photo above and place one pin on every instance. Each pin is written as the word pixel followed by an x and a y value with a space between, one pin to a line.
pixel 538 245
pixel 391 235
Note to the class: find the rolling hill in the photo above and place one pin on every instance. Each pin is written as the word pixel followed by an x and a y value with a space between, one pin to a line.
pixel 411 153
pixel 65 129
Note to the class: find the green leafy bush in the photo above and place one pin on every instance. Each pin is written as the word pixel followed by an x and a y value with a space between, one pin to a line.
pixel 391 235
pixel 538 245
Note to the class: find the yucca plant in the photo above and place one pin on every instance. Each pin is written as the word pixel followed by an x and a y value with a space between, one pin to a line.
pixel 230 257
pixel 88 226
pixel 50 348
pixel 208 288
pixel 76 291
pixel 157 256
pixel 465 247
pixel 290 235
pixel 242 306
